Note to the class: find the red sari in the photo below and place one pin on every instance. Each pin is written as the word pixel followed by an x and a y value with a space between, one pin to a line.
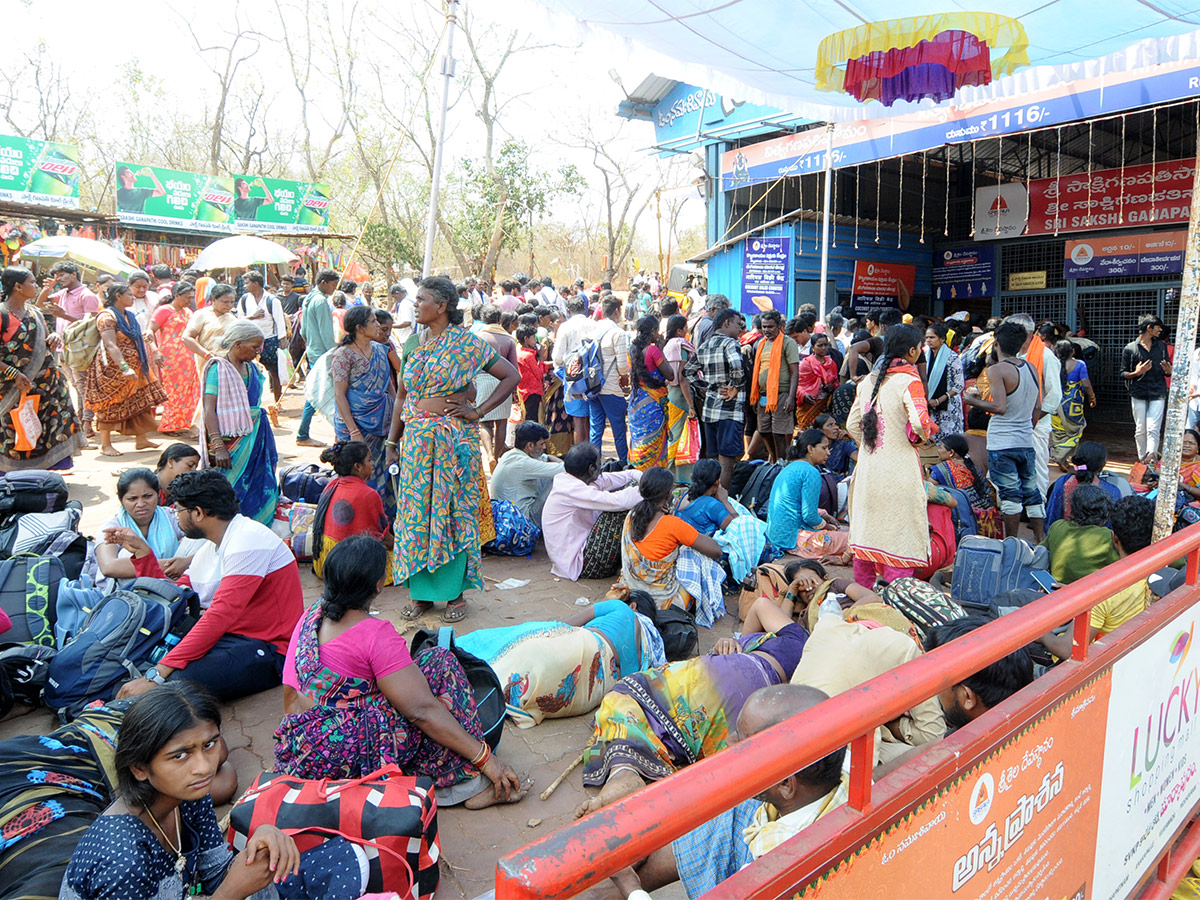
pixel 178 369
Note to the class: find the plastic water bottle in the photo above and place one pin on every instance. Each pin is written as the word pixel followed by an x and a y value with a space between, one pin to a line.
pixel 164 648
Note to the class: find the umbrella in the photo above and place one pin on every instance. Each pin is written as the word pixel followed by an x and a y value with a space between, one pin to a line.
pixel 242 250
pixel 90 254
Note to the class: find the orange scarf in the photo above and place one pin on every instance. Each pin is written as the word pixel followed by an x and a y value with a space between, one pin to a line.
pixel 1036 357
pixel 772 372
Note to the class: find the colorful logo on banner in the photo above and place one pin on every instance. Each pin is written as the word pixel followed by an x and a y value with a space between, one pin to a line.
pixel 880 285
pixel 40 173
pixel 1149 782
pixel 964 273
pixel 1160 253
pixel 168 198
pixel 766 274
pixel 278 206
pixel 858 142
pixel 1108 198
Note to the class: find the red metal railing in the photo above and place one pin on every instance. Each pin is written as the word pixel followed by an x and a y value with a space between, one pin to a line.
pixel 586 852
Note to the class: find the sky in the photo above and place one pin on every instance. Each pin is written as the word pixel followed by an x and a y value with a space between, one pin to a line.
pixel 562 86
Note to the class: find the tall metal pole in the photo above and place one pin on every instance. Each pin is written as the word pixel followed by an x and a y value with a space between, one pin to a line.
pixel 448 76
pixel 1177 401
pixel 825 217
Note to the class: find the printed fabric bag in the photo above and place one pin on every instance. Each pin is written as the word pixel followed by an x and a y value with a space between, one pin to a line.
pixel 922 604
pixel 515 534
pixel 689 444
pixel 26 424
pixel 390 815
pixel 602 552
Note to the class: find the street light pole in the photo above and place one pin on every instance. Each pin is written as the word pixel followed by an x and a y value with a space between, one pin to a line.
pixel 448 76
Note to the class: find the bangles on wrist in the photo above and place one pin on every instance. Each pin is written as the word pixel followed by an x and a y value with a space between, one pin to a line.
pixel 481 758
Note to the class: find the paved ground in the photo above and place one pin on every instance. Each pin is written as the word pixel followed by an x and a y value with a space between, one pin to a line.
pixel 471 841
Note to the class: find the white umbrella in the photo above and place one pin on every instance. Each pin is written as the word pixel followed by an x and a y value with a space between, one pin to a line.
pixel 90 254
pixel 242 250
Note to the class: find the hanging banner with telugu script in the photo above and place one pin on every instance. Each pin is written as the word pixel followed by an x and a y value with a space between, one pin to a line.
pixel 279 206
pixel 151 197
pixel 40 173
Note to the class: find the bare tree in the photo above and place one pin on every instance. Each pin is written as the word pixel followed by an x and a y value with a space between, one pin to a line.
pixel 37 98
pixel 625 194
pixel 224 60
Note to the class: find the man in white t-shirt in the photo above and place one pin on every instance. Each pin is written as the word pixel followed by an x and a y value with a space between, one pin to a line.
pixel 611 406
pixel 265 310
pixel 403 295
pixel 570 336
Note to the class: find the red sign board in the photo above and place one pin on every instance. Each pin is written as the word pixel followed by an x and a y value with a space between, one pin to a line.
pixel 878 285
pixel 1112 198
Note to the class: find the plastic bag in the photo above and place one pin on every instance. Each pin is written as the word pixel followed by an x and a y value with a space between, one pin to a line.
pixel 26 422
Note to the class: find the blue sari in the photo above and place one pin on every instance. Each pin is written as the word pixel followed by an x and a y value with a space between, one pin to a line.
pixel 371 406
pixel 252 456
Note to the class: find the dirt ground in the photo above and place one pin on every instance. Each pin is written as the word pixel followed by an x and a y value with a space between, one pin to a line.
pixel 471 842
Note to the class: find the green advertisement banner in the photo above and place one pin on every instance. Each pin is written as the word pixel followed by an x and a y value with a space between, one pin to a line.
pixel 278 206
pixel 41 173
pixel 167 198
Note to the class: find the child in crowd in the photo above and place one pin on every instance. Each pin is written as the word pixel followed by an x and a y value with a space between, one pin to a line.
pixel 533 371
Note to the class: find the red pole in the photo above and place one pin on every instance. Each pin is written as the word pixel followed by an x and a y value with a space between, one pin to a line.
pixel 586 852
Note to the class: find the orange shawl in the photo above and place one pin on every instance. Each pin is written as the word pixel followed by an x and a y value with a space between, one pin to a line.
pixel 772 373
pixel 1036 357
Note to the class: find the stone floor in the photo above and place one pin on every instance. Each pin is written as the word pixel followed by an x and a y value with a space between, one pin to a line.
pixel 471 842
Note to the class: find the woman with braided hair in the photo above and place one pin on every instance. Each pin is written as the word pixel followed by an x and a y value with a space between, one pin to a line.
pixel 650 375
pixel 889 525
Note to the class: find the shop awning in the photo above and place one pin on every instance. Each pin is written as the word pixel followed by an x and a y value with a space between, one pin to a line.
pixel 770 52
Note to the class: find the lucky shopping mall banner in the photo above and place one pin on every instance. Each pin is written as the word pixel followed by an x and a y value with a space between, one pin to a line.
pixel 154 197
pixel 41 173
pixel 1076 806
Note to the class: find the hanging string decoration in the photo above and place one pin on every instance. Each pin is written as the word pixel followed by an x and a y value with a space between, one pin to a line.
pixel 924 180
pixel 900 203
pixel 972 189
pixel 1089 173
pixel 1121 197
pixel 946 211
pixel 1058 181
pixel 924 57
pixel 878 184
pixel 858 200
pixel 1154 162
pixel 999 178
pixel 833 211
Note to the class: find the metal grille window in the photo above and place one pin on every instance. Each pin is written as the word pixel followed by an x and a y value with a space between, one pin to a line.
pixel 1034 256
pixel 1040 306
pixel 1112 323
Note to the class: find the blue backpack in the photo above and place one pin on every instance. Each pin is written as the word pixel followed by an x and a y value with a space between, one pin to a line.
pixel 115 642
pixel 985 567
pixel 584 370
pixel 515 534
pixel 75 600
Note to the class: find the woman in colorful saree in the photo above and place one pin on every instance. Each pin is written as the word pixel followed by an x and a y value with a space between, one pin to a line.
pixel 362 389
pixel 122 386
pixel 683 424
pixel 655 723
pixel 234 433
pixel 167 324
pixel 561 669
pixel 1068 422
pixel 356 699
pixel 668 558
pixel 650 375
pixel 441 477
pixel 28 371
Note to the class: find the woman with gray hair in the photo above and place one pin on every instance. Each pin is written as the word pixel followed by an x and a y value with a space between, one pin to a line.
pixel 234 435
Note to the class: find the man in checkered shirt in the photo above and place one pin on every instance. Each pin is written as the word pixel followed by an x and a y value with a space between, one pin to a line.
pixel 718 362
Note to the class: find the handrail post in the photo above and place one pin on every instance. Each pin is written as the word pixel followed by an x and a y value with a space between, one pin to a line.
pixel 862 765
pixel 1192 575
pixel 1080 633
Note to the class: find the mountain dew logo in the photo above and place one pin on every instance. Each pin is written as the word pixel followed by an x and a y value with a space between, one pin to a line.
pixel 317 202
pixel 220 198
pixel 58 167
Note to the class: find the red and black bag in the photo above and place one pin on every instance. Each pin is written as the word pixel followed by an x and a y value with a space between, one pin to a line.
pixel 390 815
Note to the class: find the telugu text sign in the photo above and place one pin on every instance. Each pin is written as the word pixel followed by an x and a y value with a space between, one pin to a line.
pixel 766 272
pixel 964 273
pixel 1020 825
pixel 279 206
pixel 40 173
pixel 880 285
pixel 1159 253
pixel 153 197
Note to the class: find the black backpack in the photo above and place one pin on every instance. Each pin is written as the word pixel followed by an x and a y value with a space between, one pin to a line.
pixel 485 684
pixel 32 490
pixel 23 672
pixel 758 489
pixel 679 635
pixel 303 483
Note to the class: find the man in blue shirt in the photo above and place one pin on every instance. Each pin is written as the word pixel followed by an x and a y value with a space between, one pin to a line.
pixel 316 327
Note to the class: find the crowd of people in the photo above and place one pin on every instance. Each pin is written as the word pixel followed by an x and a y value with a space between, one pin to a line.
pixel 470 418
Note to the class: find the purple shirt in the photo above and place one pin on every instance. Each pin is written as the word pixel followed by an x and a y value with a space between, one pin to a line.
pixel 572 509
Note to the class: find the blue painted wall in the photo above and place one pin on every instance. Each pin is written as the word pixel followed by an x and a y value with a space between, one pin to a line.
pixel 725 268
